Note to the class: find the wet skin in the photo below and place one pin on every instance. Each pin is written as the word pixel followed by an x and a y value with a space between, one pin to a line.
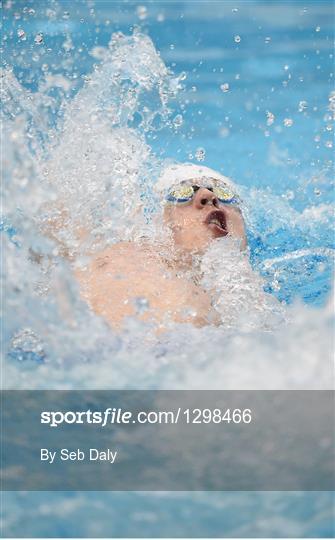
pixel 126 271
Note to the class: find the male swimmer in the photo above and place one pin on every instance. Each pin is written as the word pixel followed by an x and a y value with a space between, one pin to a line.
pixel 199 206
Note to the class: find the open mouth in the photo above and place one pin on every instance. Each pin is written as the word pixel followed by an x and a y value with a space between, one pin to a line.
pixel 217 222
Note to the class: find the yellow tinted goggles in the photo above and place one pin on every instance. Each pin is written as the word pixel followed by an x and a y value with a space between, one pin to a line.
pixel 184 193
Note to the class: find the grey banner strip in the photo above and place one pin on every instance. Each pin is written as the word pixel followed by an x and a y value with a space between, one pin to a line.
pixel 168 440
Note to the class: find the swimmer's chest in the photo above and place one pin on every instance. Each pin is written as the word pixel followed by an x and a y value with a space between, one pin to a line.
pixel 119 277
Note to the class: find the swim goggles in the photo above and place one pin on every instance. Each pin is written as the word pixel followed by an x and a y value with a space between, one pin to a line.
pixel 184 193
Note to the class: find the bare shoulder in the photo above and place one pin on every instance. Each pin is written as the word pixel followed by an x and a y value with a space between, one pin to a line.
pixel 125 255
pixel 126 259
pixel 126 271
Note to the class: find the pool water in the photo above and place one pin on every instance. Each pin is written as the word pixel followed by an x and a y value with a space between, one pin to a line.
pixel 243 87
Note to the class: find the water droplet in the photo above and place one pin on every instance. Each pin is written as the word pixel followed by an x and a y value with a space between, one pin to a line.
pixel 200 154
pixel 171 46
pixel 39 38
pixel 332 101
pixel 317 192
pixel 224 87
pixel 286 67
pixel 21 34
pixel 66 15
pixel 327 117
pixel 235 10
pixel 160 17
pixel 142 12
pixel 329 127
pixel 31 11
pixel 329 144
pixel 270 118
pixel 189 312
pixel 317 138
pixel 317 29
pixel 141 304
pixel 178 120
pixel 289 195
pixel 237 39
pixel 302 106
pixel 267 39
pixel 288 122
pixel 50 13
pixel 68 45
pixel 224 132
pixel 237 77
pixel 275 285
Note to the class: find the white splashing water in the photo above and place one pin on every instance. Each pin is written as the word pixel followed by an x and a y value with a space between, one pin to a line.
pixel 98 164
pixel 239 295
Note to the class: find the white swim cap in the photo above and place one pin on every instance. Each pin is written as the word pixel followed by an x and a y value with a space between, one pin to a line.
pixel 181 172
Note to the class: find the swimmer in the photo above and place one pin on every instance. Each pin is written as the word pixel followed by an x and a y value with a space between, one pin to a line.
pixel 199 205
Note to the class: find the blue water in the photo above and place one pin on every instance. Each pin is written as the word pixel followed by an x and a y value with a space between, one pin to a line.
pixel 277 59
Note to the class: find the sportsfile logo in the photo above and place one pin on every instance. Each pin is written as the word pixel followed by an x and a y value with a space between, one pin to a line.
pixel 108 416
pixel 119 416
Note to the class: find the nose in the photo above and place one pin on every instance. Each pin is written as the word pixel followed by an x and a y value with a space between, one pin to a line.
pixel 204 197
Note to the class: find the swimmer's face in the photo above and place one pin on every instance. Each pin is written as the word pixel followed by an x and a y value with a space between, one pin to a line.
pixel 195 224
